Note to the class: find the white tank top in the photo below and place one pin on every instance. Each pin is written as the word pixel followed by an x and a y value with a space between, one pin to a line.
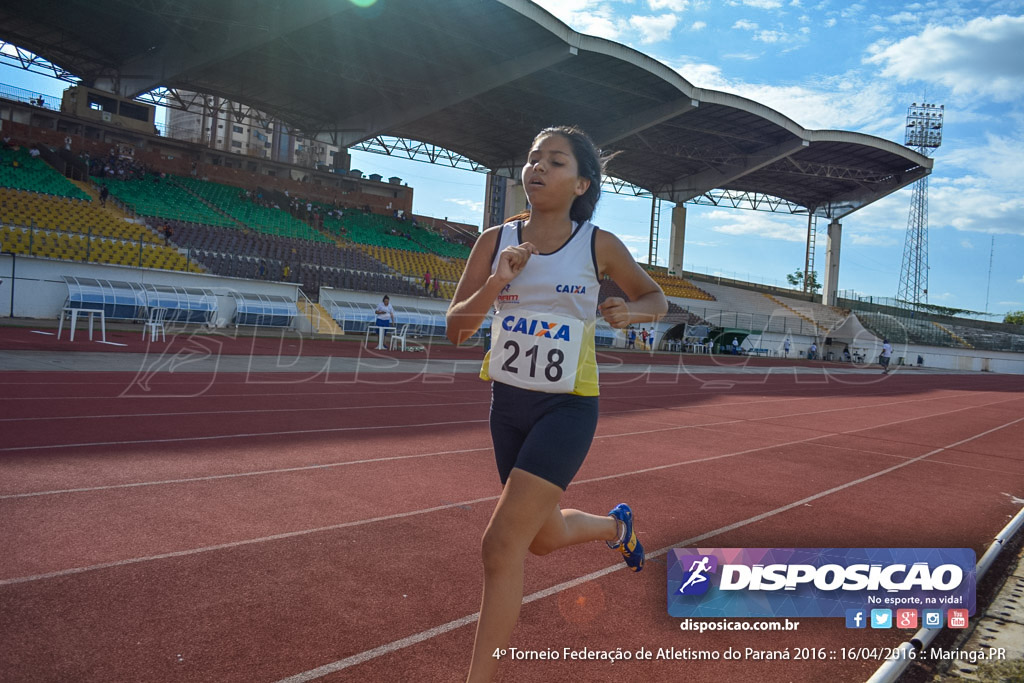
pixel 563 282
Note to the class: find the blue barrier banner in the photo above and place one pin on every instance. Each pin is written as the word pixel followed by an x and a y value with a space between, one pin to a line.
pixel 820 582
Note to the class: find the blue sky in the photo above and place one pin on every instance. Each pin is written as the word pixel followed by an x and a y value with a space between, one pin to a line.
pixel 829 65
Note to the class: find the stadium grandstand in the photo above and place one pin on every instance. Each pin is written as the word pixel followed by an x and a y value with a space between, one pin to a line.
pixel 79 188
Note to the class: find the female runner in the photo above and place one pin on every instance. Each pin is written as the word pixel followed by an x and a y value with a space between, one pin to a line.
pixel 541 275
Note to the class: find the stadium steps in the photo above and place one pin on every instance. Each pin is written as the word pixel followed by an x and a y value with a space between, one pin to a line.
pixel 956 337
pixel 210 204
pixel 111 207
pixel 779 302
pixel 319 318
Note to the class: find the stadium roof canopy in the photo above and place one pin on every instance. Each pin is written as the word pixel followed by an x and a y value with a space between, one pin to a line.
pixel 477 77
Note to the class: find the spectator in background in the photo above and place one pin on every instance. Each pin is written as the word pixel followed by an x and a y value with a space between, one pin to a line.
pixel 426 282
pixel 168 232
pixel 886 355
pixel 286 272
pixel 104 193
pixel 812 352
pixel 437 289
pixel 34 152
pixel 631 338
pixel 385 313
pixel 643 338
pixel 785 347
pixel 735 346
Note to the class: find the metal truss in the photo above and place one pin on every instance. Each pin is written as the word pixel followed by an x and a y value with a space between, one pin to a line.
pixel 387 145
pixel 754 201
pixel 418 151
pixel 791 165
pixel 29 61
pixel 428 153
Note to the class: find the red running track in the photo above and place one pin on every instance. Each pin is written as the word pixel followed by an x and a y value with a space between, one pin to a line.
pixel 266 531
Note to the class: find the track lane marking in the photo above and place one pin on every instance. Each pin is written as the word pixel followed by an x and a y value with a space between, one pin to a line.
pixel 402 643
pixel 447 506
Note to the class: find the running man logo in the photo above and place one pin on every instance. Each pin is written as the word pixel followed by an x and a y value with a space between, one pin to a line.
pixel 506 298
pixel 695 580
pixel 535 327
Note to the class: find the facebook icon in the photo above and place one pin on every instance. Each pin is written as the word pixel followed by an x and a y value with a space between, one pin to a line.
pixel 856 618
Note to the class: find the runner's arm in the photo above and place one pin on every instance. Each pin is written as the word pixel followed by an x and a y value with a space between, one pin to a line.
pixel 478 287
pixel 647 303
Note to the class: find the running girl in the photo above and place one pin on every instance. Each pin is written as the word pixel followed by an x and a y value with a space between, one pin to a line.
pixel 541 275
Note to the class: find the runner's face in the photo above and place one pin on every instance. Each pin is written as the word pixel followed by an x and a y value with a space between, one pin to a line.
pixel 551 175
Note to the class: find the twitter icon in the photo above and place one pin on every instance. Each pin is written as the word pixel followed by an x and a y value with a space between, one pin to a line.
pixel 881 618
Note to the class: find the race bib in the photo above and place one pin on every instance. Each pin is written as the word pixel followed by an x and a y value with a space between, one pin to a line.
pixel 538 351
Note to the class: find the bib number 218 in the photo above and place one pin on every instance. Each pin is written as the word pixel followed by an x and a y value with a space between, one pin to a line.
pixel 552 370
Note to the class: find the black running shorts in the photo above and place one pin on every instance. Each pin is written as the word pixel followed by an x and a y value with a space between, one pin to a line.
pixel 547 435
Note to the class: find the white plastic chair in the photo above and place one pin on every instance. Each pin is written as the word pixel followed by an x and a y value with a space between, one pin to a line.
pixel 399 336
pixel 155 323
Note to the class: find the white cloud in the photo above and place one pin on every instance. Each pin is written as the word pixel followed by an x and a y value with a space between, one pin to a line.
pixel 592 17
pixel 763 4
pixel 654 29
pixel 872 239
pixel 698 25
pixel 969 203
pixel 903 18
pixel 1021 280
pixel 999 158
pixel 845 101
pixel 474 206
pixel 745 25
pixel 852 11
pixel 770 36
pixel 673 5
pixel 755 224
pixel 966 244
pixel 830 23
pixel 981 57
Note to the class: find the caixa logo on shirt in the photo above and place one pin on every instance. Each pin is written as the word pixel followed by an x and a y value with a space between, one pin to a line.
pixel 571 289
pixel 535 327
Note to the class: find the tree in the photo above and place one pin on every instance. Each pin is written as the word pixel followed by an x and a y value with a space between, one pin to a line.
pixel 1014 318
pixel 797 280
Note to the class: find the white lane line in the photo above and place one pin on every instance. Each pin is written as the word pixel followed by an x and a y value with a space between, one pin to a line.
pixel 212 477
pixel 447 506
pixel 402 643
pixel 254 411
pixel 214 437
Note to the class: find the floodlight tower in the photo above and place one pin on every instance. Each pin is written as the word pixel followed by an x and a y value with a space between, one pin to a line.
pixel 924 134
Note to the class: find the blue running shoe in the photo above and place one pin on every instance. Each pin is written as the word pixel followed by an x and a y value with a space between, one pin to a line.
pixel 628 544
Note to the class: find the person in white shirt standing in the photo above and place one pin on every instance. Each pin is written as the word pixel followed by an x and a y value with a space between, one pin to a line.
pixel 886 355
pixel 385 313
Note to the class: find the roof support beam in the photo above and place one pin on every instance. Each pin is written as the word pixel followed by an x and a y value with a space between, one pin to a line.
pixel 452 91
pixel 845 204
pixel 178 58
pixel 686 188
pixel 641 121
